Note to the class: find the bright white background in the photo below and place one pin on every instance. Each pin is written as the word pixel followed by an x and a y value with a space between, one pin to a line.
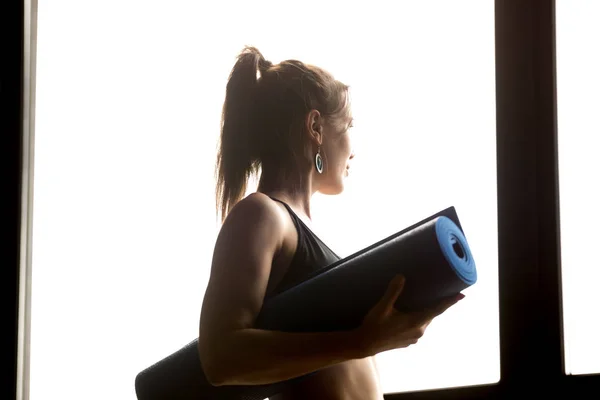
pixel 578 90
pixel 129 95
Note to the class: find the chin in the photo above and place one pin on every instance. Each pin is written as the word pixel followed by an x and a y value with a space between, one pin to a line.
pixel 332 189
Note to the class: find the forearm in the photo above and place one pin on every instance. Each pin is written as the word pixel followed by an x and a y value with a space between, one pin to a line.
pixel 255 357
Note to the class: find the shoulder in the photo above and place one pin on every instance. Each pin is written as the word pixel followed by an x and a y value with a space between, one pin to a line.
pixel 257 213
pixel 257 202
pixel 256 206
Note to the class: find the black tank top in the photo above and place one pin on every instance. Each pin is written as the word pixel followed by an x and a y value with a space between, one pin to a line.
pixel 311 255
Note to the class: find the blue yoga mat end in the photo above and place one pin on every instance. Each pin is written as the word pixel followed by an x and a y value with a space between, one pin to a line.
pixel 455 248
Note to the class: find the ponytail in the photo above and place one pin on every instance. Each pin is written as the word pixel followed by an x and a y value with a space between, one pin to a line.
pixel 236 159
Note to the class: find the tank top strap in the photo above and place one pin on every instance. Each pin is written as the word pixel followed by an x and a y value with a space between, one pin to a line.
pixel 302 228
pixel 285 205
pixel 311 254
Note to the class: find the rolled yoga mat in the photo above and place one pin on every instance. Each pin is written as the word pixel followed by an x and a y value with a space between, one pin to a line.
pixel 433 255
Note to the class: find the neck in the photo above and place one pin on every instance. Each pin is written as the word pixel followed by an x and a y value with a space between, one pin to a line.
pixel 294 189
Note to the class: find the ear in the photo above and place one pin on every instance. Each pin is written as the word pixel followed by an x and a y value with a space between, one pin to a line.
pixel 314 127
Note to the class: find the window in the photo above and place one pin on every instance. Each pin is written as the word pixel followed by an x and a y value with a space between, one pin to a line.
pixel 578 86
pixel 128 114
pixel 118 75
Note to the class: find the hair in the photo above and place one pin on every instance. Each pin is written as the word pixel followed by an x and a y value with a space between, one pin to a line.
pixel 263 119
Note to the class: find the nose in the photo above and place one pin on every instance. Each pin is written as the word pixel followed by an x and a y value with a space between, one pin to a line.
pixel 352 155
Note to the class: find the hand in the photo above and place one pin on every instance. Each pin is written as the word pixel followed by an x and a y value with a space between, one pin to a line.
pixel 385 328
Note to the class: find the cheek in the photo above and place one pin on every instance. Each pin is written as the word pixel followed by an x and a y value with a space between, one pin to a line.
pixel 340 154
pixel 343 156
pixel 347 146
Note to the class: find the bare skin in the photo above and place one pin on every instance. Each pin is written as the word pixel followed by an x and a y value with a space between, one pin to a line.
pixel 253 251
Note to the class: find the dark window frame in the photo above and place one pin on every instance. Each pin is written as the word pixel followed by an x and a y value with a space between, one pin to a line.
pixel 531 340
pixel 11 128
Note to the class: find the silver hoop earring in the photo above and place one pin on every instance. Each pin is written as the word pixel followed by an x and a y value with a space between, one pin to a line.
pixel 319 161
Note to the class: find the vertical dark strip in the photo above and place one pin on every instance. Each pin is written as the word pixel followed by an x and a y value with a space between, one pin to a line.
pixel 516 152
pixel 529 272
pixel 11 78
pixel 548 204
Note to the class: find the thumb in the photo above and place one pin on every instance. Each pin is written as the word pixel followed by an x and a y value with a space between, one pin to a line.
pixel 392 292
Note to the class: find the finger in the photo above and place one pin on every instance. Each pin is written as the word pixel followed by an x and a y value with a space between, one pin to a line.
pixel 393 291
pixel 425 324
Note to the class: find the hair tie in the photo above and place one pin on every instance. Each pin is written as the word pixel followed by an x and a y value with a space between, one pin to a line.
pixel 264 65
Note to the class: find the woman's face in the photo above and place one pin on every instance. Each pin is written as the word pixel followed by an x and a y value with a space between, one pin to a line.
pixel 337 152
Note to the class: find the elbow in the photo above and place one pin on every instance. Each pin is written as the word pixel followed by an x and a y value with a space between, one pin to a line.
pixel 214 371
pixel 214 379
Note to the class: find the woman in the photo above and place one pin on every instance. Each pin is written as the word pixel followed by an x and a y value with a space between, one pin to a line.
pixel 292 124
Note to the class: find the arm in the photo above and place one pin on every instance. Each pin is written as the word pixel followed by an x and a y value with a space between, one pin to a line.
pixel 232 351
